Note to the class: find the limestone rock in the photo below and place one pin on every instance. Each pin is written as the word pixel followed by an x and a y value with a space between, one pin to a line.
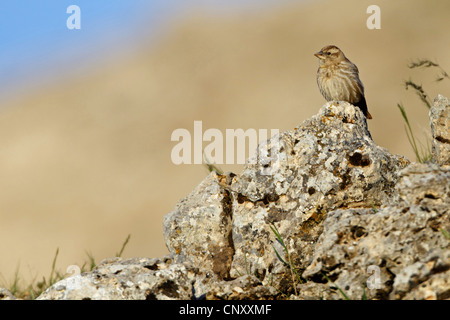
pixel 6 295
pixel 428 279
pixel 316 291
pixel 329 162
pixel 198 231
pixel 436 287
pixel 401 246
pixel 126 279
pixel 440 124
pixel 293 181
pixel 355 220
pixel 242 288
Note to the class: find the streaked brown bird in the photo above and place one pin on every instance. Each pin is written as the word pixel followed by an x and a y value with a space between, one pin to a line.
pixel 338 78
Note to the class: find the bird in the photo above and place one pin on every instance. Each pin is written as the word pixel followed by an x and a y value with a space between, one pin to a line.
pixel 338 78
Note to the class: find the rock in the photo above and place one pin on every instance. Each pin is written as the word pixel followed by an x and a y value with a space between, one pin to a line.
pixel 242 288
pixel 319 212
pixel 6 295
pixel 126 279
pixel 329 162
pixel 316 291
pixel 440 123
pixel 401 243
pixel 425 280
pixel 434 288
pixel 198 231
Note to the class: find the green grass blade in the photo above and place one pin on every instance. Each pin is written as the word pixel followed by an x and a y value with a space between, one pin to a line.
pixel 409 132
pixel 342 292
pixel 119 254
pixel 445 233
pixel 51 279
pixel 280 258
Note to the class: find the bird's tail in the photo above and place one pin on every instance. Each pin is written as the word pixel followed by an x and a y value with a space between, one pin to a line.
pixel 363 106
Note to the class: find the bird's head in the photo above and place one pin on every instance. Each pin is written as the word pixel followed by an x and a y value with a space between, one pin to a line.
pixel 330 55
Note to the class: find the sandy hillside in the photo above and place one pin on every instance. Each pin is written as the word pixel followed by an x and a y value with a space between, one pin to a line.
pixel 86 162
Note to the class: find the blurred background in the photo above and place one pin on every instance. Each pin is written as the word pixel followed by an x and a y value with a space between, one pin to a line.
pixel 86 116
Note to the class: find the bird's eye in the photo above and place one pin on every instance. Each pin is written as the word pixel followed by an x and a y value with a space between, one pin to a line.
pixel 329 53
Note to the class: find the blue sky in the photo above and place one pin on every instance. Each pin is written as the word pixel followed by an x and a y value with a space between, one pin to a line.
pixel 35 41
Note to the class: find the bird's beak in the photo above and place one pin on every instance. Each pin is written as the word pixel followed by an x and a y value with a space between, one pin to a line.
pixel 319 54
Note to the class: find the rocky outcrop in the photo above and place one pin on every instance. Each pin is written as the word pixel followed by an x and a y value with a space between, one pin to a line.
pixel 320 212
pixel 328 163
